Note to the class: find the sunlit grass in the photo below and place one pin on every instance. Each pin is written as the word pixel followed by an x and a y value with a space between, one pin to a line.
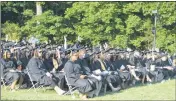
pixel 158 91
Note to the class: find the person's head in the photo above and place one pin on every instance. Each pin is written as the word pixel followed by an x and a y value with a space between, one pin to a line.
pixel 137 54
pixel 37 53
pixel 148 56
pixel 122 56
pixel 164 58
pixel 127 55
pixel 74 56
pixel 102 56
pixel 82 53
pixel 108 57
pixel 19 65
pixel 8 54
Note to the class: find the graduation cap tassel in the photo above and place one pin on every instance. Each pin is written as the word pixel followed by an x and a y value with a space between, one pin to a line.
pixel 58 52
pixel 5 54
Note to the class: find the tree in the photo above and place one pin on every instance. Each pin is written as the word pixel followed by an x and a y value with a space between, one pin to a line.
pixel 122 24
pixel 48 28
pixel 97 19
pixel 12 30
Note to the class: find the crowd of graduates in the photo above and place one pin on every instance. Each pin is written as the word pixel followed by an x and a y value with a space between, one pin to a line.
pixel 90 70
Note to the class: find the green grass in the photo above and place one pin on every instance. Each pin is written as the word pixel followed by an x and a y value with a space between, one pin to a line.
pixel 158 91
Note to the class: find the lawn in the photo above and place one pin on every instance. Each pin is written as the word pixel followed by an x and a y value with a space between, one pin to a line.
pixel 158 91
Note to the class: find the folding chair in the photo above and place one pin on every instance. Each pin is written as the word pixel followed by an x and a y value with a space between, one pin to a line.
pixel 2 76
pixel 3 83
pixel 105 86
pixel 32 81
pixel 71 88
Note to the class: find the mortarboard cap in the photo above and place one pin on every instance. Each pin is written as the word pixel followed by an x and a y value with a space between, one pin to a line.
pixel 19 63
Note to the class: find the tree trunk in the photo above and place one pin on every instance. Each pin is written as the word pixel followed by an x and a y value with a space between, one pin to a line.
pixel 38 8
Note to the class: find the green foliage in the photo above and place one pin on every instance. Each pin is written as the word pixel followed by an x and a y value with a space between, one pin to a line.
pixel 97 19
pixel 45 26
pixel 120 41
pixel 123 24
pixel 12 30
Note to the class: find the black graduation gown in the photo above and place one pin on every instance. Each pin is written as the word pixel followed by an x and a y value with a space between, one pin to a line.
pixel 159 76
pixel 85 66
pixel 24 61
pixel 119 63
pixel 2 63
pixel 96 65
pixel 131 60
pixel 148 63
pixel 124 75
pixel 49 64
pixel 112 78
pixel 62 61
pixel 140 64
pixel 73 73
pixel 9 76
pixel 38 72
pixel 34 67
pixel 166 73
pixel 57 76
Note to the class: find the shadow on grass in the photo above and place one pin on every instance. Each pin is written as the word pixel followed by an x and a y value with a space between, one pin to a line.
pixel 137 85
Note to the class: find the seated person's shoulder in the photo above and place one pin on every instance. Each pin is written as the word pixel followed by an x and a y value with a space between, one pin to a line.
pixel 68 63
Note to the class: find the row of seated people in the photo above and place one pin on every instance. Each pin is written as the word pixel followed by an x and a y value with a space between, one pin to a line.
pixel 89 73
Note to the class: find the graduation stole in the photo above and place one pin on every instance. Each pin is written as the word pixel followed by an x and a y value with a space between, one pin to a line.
pixel 174 62
pixel 56 65
pixel 5 55
pixel 102 65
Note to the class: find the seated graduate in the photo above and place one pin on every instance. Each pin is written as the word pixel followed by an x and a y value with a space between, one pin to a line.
pixel 131 66
pixel 10 75
pixel 120 63
pixel 113 79
pixel 84 62
pixel 76 77
pixel 149 63
pixel 137 66
pixel 39 73
pixel 61 58
pixel 163 63
pixel 141 67
pixel 47 60
pixel 173 68
pixel 56 71
pixel 155 71
pixel 23 58
pixel 99 68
